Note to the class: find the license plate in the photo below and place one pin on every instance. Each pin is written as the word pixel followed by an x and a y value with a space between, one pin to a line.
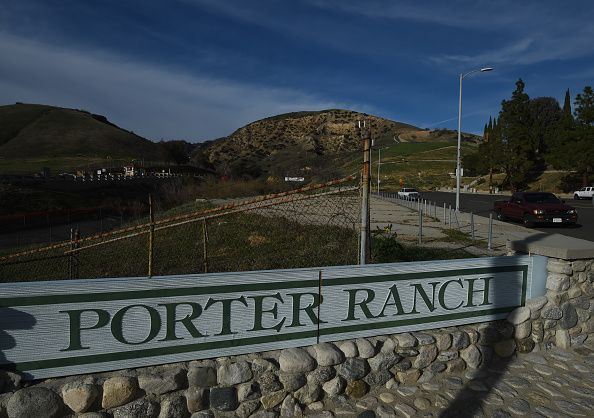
pixel 557 220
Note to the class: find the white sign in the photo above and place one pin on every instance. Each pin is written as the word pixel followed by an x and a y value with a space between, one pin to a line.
pixel 82 326
pixel 295 179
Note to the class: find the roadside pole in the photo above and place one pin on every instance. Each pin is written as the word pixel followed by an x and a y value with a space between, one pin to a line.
pixel 364 244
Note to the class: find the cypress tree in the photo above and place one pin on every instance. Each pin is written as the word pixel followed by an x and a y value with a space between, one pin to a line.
pixel 567 118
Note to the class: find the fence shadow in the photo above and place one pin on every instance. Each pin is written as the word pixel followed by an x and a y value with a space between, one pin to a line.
pixel 11 320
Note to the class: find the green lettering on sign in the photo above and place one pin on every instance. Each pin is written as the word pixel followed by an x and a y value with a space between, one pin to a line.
pixel 226 314
pixel 362 304
pixel 117 324
pixel 76 328
pixel 484 291
pixel 259 312
pixel 442 291
pixel 171 320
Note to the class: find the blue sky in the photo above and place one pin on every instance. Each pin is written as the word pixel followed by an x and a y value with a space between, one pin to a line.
pixel 199 69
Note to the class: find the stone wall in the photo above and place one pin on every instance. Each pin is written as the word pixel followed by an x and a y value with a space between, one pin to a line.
pixel 295 381
pixel 286 382
pixel 563 316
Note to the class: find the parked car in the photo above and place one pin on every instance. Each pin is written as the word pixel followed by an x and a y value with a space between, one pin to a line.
pixel 408 193
pixel 535 208
pixel 584 193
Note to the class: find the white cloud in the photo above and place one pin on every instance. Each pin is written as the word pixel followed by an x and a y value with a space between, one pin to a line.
pixel 156 102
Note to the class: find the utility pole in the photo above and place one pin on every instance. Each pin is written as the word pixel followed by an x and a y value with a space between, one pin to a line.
pixel 365 244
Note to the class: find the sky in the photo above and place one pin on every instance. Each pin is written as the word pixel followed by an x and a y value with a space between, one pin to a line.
pixel 200 69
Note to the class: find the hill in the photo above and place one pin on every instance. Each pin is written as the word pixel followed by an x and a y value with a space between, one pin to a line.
pixel 54 135
pixel 317 143
pixel 320 145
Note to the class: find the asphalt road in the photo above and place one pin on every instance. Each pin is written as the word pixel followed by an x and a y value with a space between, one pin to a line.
pixel 482 205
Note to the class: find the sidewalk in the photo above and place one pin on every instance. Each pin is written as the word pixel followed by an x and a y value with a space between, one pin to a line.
pixel 405 223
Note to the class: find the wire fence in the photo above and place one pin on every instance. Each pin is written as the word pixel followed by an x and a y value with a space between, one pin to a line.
pixel 434 215
pixel 317 225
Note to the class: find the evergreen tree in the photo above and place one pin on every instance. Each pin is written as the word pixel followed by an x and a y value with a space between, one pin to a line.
pixel 514 127
pixel 584 107
pixel 567 118
pixel 583 144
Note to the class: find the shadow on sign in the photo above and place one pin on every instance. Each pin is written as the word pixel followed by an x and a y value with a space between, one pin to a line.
pixel 10 319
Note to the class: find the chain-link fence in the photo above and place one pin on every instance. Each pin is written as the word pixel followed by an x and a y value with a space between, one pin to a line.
pixel 317 225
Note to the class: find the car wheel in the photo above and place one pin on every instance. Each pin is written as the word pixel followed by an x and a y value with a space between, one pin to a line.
pixel 500 216
pixel 527 222
pixel 576 197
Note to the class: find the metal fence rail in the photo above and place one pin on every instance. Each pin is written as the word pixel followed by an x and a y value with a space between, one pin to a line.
pixel 317 225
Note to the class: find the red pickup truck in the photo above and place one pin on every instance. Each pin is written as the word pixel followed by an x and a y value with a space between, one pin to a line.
pixel 535 208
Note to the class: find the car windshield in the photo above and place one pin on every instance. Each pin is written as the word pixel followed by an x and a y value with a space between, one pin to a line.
pixel 541 198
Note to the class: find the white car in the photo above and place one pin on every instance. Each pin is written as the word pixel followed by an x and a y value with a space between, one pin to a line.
pixel 584 193
pixel 408 193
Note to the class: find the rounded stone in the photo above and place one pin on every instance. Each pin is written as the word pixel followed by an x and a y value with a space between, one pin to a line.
pixel 472 356
pixel 292 381
pixel 36 402
pixel 119 390
pixel 460 340
pixel 173 406
pixel 141 408
pixel 321 375
pixel 353 369
pixel 427 354
pixel 79 396
pixel 349 348
pixel 202 376
pixel 234 373
pixel 422 403
pixel 296 360
pixel 402 365
pixel 196 399
pixel 273 399
pixel 365 348
pixel 356 389
pixel 523 330
pixel 569 316
pixel 328 355
pixel 223 399
pixel 525 345
pixel 424 339
pixel 387 397
pixel 406 340
pixel 505 348
pixel 519 315
pixel 383 361
pixel 334 386
pixel 443 341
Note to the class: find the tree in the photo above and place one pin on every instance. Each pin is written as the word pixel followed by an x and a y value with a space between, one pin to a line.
pixel 545 115
pixel 516 139
pixel 583 144
pixel 573 146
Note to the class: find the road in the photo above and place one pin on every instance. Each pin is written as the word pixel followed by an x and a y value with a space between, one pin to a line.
pixel 482 204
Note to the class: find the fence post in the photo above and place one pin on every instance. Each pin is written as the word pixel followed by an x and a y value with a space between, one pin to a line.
pixel 472 225
pixel 70 266
pixel 450 206
pixel 444 213
pixel 76 245
pixel 490 242
pixel 151 242
pixel 421 226
pixel 205 244
pixel 366 178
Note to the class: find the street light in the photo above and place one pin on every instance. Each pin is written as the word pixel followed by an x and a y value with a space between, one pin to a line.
pixel 481 70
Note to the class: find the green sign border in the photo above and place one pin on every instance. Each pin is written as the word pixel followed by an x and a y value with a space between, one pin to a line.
pixel 212 345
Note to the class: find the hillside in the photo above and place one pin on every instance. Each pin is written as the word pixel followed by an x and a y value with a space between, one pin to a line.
pixel 41 133
pixel 302 143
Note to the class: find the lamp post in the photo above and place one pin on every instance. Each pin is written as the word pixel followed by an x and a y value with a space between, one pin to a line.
pixel 481 70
